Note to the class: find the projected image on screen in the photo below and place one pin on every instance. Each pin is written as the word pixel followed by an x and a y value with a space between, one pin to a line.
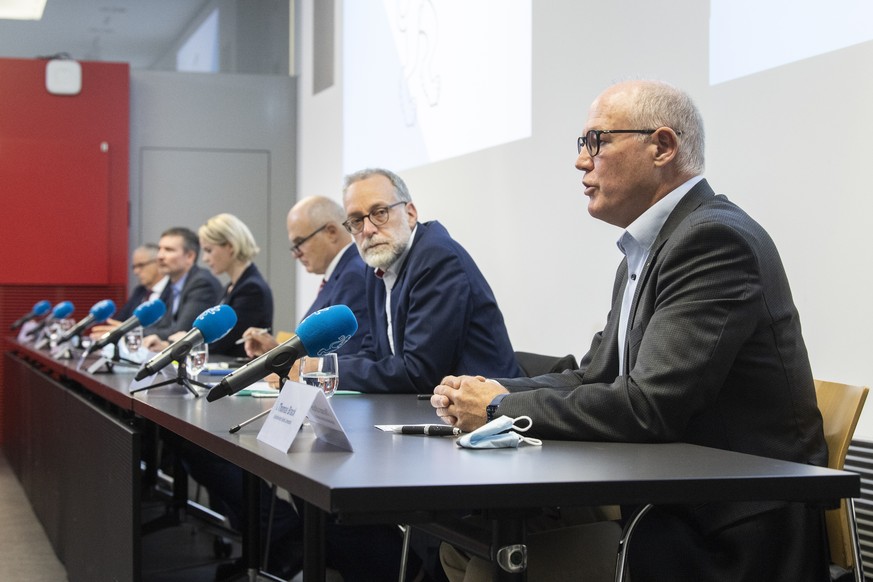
pixel 427 80
pixel 749 36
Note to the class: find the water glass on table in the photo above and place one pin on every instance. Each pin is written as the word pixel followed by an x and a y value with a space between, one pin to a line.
pixel 320 371
pixel 196 360
pixel 133 340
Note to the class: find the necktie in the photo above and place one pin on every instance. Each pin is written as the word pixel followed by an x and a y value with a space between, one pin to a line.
pixel 379 273
pixel 320 287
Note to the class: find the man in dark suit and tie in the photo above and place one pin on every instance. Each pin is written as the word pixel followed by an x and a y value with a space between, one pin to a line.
pixel 151 281
pixel 321 244
pixel 702 345
pixel 190 289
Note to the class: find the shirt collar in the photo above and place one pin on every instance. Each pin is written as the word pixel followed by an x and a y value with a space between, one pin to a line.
pixel 644 230
pixel 181 282
pixel 335 261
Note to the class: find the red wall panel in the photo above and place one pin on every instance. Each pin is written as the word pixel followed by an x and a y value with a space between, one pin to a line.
pixel 64 165
pixel 64 168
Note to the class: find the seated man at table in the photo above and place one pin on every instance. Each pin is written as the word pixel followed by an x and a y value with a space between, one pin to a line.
pixel 321 244
pixel 190 289
pixel 702 345
pixel 430 310
pixel 151 280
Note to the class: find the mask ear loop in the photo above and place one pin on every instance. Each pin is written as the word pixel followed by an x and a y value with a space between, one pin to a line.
pixel 528 440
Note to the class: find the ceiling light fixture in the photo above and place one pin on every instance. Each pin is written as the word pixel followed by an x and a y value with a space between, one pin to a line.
pixel 22 9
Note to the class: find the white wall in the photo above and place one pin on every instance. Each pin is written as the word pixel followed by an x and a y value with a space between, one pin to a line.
pixel 792 146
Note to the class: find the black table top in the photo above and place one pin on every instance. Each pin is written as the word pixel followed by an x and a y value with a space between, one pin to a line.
pixel 392 474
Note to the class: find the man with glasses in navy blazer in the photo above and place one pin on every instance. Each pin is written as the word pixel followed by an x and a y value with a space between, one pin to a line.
pixel 321 244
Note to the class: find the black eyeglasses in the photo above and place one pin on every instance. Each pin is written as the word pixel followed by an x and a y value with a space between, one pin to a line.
pixel 591 140
pixel 378 217
pixel 295 248
pixel 142 265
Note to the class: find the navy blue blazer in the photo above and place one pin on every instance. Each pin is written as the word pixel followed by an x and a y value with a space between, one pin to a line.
pixel 201 291
pixel 346 287
pixel 445 321
pixel 252 300
pixel 139 294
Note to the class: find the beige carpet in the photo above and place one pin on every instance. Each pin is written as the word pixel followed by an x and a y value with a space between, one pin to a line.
pixel 25 552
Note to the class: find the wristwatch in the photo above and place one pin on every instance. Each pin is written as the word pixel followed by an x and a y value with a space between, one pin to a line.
pixel 491 409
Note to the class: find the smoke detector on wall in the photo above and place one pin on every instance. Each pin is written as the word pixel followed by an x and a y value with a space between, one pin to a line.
pixel 63 77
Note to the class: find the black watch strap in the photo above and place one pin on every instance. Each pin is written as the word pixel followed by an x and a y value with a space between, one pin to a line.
pixel 491 409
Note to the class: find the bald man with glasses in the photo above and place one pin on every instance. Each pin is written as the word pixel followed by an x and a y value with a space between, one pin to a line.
pixel 321 244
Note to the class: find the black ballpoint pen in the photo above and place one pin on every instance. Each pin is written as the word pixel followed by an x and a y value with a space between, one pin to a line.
pixel 430 429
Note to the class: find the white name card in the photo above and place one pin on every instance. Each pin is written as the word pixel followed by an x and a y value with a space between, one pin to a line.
pixel 296 401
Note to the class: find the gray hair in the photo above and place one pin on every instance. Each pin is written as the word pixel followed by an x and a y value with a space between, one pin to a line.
pixel 150 247
pixel 399 185
pixel 660 104
pixel 323 210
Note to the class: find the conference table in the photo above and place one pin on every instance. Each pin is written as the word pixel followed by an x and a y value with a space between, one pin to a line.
pixel 426 480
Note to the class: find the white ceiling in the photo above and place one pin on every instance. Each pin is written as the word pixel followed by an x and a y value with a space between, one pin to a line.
pixel 138 32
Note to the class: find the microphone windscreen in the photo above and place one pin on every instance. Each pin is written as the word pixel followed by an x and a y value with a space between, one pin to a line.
pixel 62 310
pixel 215 322
pixel 103 310
pixel 326 330
pixel 150 312
pixel 41 307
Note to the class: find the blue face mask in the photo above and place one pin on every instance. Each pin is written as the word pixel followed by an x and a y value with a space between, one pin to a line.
pixel 498 434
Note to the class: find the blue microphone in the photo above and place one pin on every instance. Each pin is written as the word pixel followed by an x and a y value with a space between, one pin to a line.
pixel 59 312
pixel 211 325
pixel 100 312
pixel 62 310
pixel 40 308
pixel 144 315
pixel 323 332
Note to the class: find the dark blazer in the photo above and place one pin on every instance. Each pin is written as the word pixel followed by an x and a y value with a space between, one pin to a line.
pixel 139 294
pixel 252 300
pixel 346 287
pixel 445 321
pixel 715 357
pixel 201 291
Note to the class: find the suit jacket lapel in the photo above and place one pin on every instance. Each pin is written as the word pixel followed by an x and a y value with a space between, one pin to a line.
pixel 691 201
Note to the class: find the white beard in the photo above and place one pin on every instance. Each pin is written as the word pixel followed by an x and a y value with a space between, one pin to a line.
pixel 384 255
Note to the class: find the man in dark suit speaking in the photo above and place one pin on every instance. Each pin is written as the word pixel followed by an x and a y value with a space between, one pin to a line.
pixel 702 345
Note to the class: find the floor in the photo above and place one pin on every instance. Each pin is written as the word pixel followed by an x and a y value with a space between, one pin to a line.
pixel 184 552
pixel 25 551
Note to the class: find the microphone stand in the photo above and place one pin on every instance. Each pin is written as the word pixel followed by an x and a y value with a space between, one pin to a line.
pixel 283 377
pixel 116 358
pixel 181 379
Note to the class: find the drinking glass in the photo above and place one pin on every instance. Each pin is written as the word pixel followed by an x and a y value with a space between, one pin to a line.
pixel 196 360
pixel 133 340
pixel 320 371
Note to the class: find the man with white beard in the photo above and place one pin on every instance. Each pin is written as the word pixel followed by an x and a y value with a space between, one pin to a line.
pixel 431 310
pixel 431 314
